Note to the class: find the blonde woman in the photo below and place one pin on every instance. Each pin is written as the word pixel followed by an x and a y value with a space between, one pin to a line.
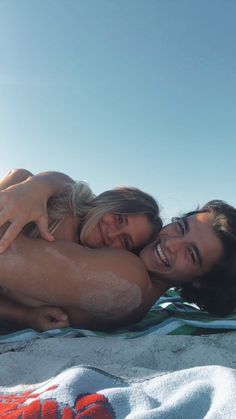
pixel 108 288
pixel 54 206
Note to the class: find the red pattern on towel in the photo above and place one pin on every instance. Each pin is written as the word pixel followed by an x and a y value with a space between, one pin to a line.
pixel 93 405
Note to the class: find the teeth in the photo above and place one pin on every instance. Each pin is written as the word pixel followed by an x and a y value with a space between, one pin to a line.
pixel 161 255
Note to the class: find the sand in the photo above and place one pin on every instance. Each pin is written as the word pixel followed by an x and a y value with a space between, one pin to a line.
pixel 133 359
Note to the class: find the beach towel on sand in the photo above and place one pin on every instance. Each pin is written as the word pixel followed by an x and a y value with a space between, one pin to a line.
pixel 140 372
pixel 85 392
pixel 169 316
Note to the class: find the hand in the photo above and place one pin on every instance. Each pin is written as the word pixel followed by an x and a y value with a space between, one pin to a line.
pixel 21 204
pixel 46 318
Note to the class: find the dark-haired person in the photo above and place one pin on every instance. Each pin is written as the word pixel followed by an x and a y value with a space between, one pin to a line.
pixel 107 288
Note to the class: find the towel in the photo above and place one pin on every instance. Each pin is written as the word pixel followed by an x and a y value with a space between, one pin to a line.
pixel 88 392
pixel 169 316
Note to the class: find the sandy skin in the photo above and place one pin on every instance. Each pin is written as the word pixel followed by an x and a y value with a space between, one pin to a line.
pixel 98 288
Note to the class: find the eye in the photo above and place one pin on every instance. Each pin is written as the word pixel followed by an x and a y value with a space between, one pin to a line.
pixel 120 219
pixel 181 227
pixel 192 255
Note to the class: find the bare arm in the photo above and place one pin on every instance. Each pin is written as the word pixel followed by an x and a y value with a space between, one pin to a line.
pixel 44 317
pixel 13 177
pixel 100 285
pixel 12 312
pixel 23 198
pixel 39 318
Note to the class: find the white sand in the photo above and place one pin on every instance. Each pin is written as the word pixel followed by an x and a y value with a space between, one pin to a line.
pixel 134 359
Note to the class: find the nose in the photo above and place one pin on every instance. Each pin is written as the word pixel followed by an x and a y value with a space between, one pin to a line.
pixel 113 235
pixel 114 230
pixel 115 240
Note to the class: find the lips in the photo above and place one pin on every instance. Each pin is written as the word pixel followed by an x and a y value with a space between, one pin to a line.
pixel 160 256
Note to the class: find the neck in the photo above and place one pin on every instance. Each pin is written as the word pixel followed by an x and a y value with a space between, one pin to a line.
pixel 159 283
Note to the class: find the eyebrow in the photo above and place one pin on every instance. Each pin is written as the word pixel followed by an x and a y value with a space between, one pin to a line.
pixel 187 229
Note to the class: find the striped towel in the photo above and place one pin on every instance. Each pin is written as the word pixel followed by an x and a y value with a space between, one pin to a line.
pixel 169 316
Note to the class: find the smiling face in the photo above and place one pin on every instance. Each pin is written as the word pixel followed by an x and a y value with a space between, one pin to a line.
pixel 120 231
pixel 184 250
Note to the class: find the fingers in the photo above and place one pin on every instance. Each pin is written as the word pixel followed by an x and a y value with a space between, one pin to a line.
pixel 48 318
pixel 56 313
pixel 42 224
pixel 10 235
pixel 5 215
pixel 58 318
pixel 15 228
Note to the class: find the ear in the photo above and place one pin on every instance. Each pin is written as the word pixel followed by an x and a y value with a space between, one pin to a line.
pixel 196 284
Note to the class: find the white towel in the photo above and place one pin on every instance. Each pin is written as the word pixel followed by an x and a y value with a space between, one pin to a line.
pixel 86 392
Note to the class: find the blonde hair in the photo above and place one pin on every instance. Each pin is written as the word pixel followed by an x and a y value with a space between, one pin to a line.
pixel 78 199
pixel 74 199
pixel 124 200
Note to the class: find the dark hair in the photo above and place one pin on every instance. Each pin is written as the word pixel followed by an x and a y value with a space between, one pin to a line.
pixel 217 289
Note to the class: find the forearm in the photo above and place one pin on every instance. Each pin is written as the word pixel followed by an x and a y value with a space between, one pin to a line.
pixel 13 312
pixel 13 177
pixel 50 183
pixel 45 183
pixel 24 198
pixel 86 320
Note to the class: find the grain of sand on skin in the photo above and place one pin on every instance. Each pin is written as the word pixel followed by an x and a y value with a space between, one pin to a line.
pixel 107 291
pixel 100 293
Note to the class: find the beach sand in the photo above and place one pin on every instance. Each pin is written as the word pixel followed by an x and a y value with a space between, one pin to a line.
pixel 132 359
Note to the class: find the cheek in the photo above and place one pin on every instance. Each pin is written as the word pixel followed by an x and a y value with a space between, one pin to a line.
pixel 116 244
pixel 108 218
pixel 148 235
pixel 109 222
pixel 184 267
pixel 89 238
pixel 184 272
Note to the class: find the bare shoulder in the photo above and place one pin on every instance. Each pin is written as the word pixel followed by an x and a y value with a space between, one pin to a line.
pixel 120 262
pixel 121 293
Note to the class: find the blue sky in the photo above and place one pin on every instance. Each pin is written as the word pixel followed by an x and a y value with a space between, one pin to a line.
pixel 122 92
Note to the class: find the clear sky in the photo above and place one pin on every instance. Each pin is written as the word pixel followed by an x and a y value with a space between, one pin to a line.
pixel 122 92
